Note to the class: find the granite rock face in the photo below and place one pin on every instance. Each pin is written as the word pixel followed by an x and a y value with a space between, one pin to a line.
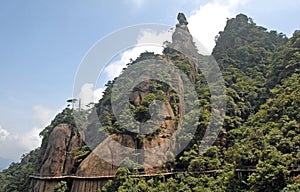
pixel 148 151
pixel 152 151
pixel 59 158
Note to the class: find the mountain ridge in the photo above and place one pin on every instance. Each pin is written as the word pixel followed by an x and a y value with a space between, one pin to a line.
pixel 261 73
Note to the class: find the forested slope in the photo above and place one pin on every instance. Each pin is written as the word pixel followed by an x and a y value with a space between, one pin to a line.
pixel 258 147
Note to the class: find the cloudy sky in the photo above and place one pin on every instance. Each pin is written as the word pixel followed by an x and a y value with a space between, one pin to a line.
pixel 42 44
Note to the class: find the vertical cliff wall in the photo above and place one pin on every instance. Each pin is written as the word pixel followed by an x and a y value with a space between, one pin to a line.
pixel 59 158
pixel 106 156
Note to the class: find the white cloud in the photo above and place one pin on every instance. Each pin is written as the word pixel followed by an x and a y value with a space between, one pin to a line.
pixel 42 115
pixel 13 144
pixel 147 36
pixel 89 95
pixel 31 139
pixel 3 134
pixel 206 22
pixel 114 69
pixel 98 93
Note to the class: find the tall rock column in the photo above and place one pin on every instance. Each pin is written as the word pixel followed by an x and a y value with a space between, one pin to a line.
pixel 58 158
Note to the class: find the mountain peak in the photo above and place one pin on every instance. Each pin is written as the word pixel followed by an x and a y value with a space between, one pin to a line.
pixel 182 19
pixel 241 31
pixel 182 40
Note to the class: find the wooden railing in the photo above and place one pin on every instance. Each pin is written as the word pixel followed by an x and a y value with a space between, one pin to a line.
pixel 61 177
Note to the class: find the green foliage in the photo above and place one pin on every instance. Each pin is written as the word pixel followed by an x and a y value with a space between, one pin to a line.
pixel 122 177
pixel 16 177
pixel 61 187
pixel 295 187
pixel 127 163
pixel 258 146
pixel 271 172
pixel 80 154
pixel 66 116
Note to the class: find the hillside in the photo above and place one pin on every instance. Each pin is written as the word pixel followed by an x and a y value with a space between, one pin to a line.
pixel 257 148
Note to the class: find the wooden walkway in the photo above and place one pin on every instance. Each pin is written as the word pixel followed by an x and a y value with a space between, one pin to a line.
pixel 41 177
pixel 49 177
pixel 105 177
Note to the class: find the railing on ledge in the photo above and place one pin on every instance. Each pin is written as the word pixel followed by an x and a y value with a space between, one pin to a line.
pixel 59 177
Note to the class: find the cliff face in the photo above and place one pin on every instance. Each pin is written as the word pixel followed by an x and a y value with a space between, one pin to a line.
pixel 55 155
pixel 107 148
pixel 59 158
pixel 183 42
pixel 148 152
pixel 93 165
pixel 151 150
pixel 261 128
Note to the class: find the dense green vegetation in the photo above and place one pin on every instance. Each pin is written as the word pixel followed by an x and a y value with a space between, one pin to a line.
pixel 261 129
pixel 260 135
pixel 16 177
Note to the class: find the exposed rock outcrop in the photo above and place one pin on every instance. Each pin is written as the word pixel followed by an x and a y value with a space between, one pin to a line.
pixel 148 151
pixel 183 42
pixel 101 162
pixel 153 149
pixel 56 152
pixel 59 158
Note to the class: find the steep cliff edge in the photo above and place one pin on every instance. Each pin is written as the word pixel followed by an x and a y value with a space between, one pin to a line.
pixel 113 144
pixel 59 157
pixel 257 148
pixel 148 151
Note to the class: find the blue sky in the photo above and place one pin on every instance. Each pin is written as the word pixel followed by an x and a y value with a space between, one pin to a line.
pixel 42 44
